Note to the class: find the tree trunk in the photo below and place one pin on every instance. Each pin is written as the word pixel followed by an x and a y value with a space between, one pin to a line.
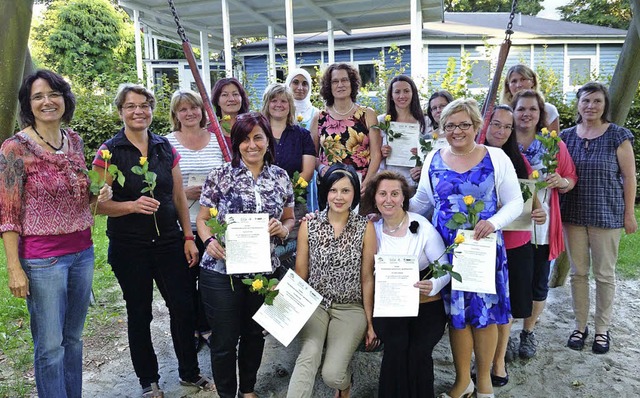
pixel 627 74
pixel 15 19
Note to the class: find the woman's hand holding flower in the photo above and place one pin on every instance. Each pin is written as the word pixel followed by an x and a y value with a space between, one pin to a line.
pixel 105 194
pixel 415 173
pixel 483 229
pixel 425 287
pixel 539 216
pixel 216 250
pixel 385 150
pixel 145 205
pixel 554 180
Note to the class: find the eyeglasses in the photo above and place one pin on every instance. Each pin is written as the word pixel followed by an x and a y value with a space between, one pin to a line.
pixel 130 108
pixel 54 95
pixel 450 127
pixel 438 107
pixel 344 80
pixel 500 126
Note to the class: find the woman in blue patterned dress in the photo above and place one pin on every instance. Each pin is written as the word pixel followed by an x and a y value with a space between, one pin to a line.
pixel 448 175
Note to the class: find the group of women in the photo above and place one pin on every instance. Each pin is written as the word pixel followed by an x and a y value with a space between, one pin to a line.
pixel 174 185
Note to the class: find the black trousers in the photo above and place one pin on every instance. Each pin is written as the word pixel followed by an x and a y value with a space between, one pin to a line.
pixel 407 364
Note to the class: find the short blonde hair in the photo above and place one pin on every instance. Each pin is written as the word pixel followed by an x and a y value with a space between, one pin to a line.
pixel 190 97
pixel 467 105
pixel 272 91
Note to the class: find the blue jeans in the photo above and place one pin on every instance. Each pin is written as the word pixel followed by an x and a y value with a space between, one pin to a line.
pixel 59 289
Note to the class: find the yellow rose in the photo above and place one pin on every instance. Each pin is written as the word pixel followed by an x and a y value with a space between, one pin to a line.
pixel 544 131
pixel 213 212
pixel 468 200
pixel 459 239
pixel 553 134
pixel 535 175
pixel 337 137
pixel 143 160
pixel 299 118
pixel 387 118
pixel 226 118
pixel 304 184
pixel 257 284
pixel 435 136
pixel 106 154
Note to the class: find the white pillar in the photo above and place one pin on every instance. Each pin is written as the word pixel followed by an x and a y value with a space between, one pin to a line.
pixel 330 45
pixel 148 48
pixel 417 66
pixel 155 49
pixel 138 44
pixel 291 51
pixel 204 58
pixel 226 33
pixel 271 66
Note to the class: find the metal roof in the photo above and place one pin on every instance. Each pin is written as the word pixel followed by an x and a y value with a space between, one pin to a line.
pixel 250 18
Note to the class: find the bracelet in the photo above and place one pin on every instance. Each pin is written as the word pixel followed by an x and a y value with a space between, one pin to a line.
pixel 189 237
pixel 287 235
pixel 209 240
pixel 566 186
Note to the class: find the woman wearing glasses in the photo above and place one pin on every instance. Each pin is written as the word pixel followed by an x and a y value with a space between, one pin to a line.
pixel 146 244
pixel 342 131
pixel 529 113
pixel 597 210
pixel 448 176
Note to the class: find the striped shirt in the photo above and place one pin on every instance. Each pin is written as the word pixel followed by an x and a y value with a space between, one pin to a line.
pixel 196 165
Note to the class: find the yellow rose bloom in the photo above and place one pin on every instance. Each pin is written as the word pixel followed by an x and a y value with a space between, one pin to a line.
pixel 387 118
pixel 106 154
pixel 337 137
pixel 213 212
pixel 553 134
pixel 544 131
pixel 459 239
pixel 304 184
pixel 468 200
pixel 299 118
pixel 535 175
pixel 226 118
pixel 435 136
pixel 143 160
pixel 257 284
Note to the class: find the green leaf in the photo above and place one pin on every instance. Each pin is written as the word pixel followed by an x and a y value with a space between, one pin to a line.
pixel 137 170
pixel 272 283
pixel 451 224
pixel 456 276
pixel 478 206
pixel 120 178
pixel 145 190
pixel 459 218
pixel 247 281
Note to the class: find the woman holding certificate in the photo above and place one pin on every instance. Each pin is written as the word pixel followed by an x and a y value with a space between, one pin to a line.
pixel 407 364
pixel 335 256
pixel 559 176
pixel 249 184
pixel 403 106
pixel 454 180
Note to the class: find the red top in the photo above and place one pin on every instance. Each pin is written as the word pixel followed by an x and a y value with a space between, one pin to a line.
pixel 513 239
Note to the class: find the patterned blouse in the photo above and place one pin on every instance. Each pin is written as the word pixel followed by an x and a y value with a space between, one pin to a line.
pixel 345 141
pixel 335 263
pixel 233 190
pixel 43 193
pixel 597 199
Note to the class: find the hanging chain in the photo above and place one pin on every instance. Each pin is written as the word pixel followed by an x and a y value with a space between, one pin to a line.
pixel 512 15
pixel 181 32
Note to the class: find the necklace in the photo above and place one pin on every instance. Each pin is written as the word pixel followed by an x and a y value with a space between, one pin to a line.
pixel 399 225
pixel 462 154
pixel 58 149
pixel 346 113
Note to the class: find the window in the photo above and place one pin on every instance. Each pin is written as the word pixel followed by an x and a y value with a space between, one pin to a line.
pixel 367 74
pixel 168 75
pixel 579 71
pixel 480 73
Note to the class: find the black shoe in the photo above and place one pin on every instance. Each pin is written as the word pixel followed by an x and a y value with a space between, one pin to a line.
pixel 197 342
pixel 512 351
pixel 498 381
pixel 601 343
pixel 577 338
pixel 528 345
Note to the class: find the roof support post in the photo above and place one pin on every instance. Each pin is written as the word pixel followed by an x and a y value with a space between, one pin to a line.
pixel 416 42
pixel 204 60
pixel 330 44
pixel 138 44
pixel 291 51
pixel 148 49
pixel 226 33
pixel 271 65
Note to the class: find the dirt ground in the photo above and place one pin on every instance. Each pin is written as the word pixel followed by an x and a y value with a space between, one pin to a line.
pixel 555 371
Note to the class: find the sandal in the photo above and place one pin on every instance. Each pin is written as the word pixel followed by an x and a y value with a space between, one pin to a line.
pixel 153 391
pixel 203 383
pixel 577 338
pixel 601 343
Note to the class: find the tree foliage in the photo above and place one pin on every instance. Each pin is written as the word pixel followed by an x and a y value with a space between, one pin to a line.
pixel 84 39
pixel 527 7
pixel 611 13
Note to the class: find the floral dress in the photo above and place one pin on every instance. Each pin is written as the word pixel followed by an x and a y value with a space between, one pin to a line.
pixel 345 141
pixel 466 308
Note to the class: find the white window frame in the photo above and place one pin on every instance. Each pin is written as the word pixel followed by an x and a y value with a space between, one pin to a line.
pixel 567 69
pixel 479 90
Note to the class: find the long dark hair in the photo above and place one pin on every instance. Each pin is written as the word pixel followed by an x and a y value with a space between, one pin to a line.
pixel 510 147
pixel 57 83
pixel 442 93
pixel 414 107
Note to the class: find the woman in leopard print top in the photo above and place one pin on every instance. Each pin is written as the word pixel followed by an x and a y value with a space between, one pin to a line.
pixel 335 256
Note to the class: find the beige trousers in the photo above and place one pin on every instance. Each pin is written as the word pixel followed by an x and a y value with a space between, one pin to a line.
pixel 342 326
pixel 598 248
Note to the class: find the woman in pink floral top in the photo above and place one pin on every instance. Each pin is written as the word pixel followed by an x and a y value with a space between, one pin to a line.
pixel 342 131
pixel 45 222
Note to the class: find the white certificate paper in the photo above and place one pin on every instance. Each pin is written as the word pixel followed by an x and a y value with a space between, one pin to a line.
pixel 475 261
pixel 247 243
pixel 523 221
pixel 395 295
pixel 401 147
pixel 291 308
